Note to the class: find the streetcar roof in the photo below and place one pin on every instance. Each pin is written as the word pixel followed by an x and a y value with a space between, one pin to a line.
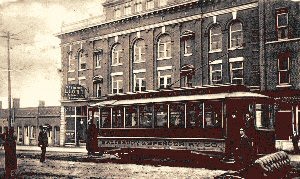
pixel 180 98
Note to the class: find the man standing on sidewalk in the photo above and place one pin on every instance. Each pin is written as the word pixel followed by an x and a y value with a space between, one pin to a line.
pixel 43 142
pixel 295 140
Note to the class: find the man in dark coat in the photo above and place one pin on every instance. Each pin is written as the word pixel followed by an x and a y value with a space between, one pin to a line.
pixel 295 140
pixel 91 143
pixel 244 149
pixel 43 142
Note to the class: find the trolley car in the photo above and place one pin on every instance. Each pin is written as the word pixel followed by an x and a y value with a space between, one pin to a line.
pixel 199 119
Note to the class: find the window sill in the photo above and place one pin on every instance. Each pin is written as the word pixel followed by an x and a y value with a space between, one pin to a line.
pixel 82 70
pixel 283 86
pixel 215 51
pixel 187 54
pixel 139 62
pixel 165 58
pixel 115 65
pixel 97 67
pixel 71 71
pixel 263 129
pixel 235 48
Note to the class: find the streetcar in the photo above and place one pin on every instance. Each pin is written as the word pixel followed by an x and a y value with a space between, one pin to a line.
pixel 204 120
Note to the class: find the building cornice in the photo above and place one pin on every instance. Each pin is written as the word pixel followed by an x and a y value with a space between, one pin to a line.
pixel 166 23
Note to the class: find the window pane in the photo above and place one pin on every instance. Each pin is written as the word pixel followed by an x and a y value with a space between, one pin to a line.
pixel 105 118
pixel 177 115
pixel 282 20
pixel 145 116
pixel 283 64
pixel 236 26
pixel 237 74
pixel 161 115
pixel 284 77
pixel 195 114
pixel 118 117
pixel 131 117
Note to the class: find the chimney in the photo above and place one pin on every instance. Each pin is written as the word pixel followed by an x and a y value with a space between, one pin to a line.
pixel 41 103
pixel 16 102
pixel 0 104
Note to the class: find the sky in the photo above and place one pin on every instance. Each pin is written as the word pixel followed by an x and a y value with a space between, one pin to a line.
pixel 35 51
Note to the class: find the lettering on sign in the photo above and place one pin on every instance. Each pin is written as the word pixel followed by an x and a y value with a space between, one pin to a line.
pixel 176 144
pixel 74 91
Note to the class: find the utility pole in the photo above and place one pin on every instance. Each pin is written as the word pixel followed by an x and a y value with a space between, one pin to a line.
pixel 10 143
pixel 8 81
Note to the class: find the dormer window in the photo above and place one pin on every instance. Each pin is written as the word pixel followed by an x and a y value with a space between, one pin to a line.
pixel 127 9
pixel 150 4
pixel 117 12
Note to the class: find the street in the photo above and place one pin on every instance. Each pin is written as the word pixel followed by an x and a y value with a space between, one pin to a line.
pixel 31 167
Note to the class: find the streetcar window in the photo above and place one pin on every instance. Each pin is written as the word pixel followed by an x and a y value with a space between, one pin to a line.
pixel 131 115
pixel 145 116
pixel 177 115
pixel 194 114
pixel 161 115
pixel 105 118
pixel 118 117
pixel 264 115
pixel 213 114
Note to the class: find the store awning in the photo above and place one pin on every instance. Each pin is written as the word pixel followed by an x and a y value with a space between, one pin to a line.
pixel 180 98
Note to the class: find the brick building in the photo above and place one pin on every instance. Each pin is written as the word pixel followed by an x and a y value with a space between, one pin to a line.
pixel 27 122
pixel 144 45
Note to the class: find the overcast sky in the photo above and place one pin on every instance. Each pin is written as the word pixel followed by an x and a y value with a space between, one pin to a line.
pixel 35 57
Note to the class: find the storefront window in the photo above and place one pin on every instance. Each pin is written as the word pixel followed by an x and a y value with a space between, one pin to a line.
pixel 131 116
pixel 177 115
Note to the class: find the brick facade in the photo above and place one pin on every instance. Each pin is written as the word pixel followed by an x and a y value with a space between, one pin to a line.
pixel 257 53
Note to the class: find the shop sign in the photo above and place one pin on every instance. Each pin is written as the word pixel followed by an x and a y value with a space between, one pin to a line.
pixel 74 91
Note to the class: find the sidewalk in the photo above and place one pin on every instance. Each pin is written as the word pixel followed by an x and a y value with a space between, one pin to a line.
pixel 53 149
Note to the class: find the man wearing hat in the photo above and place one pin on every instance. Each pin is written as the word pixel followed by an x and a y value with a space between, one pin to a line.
pixel 244 149
pixel 43 142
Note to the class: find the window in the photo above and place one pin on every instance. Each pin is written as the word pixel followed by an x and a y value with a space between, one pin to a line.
pixel 146 116
pixel 236 70
pixel 117 55
pixel 139 82
pixel 139 51
pixel 164 79
pixel 105 117
pixel 118 119
pixel 195 114
pixel 282 24
pixel 150 4
pixel 164 47
pixel 216 72
pixel 98 58
pixel 188 49
pixel 264 116
pixel 283 69
pixel 127 9
pixel 177 113
pixel 70 62
pixel 81 61
pixel 236 35
pixel 215 38
pixel 117 12
pixel 162 2
pixel 138 6
pixel 117 84
pixel 97 90
pixel 131 116
pixel 161 115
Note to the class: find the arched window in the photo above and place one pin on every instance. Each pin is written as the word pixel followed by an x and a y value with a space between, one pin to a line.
pixel 164 47
pixel 139 51
pixel 117 55
pixel 236 34
pixel 215 38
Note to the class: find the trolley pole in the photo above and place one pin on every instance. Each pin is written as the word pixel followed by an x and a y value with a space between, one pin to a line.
pixel 10 143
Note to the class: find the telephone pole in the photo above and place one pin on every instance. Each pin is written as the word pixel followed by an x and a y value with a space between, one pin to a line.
pixel 10 143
